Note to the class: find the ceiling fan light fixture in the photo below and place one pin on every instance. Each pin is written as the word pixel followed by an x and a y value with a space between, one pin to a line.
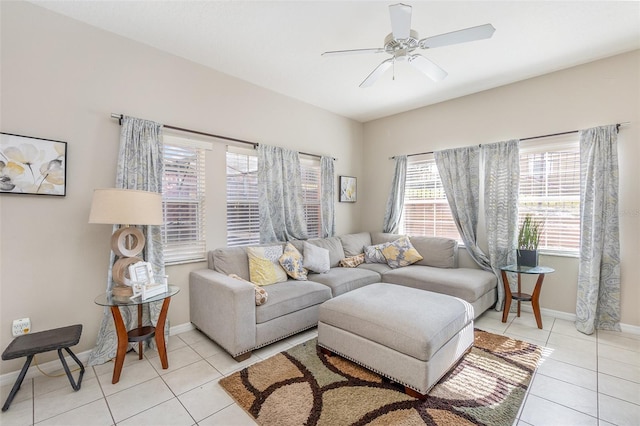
pixel 403 41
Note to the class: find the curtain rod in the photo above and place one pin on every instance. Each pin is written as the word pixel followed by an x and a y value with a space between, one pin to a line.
pixel 227 138
pixel 618 125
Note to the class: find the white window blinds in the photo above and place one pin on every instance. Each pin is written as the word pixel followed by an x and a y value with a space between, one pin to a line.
pixel 183 232
pixel 310 173
pixel 550 190
pixel 426 209
pixel 243 216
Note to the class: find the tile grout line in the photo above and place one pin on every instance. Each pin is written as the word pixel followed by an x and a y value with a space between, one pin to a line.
pixel 33 402
pixel 113 419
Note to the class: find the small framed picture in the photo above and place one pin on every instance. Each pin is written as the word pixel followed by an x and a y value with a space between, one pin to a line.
pixel 31 165
pixel 348 189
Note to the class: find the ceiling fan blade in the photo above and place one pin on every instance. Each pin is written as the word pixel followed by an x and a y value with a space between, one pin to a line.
pixel 433 71
pixel 377 73
pixel 352 52
pixel 461 36
pixel 400 21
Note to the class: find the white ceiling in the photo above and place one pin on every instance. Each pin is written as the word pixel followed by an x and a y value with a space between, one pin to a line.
pixel 277 44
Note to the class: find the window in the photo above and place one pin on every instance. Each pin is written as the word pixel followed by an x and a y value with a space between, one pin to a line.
pixel 243 216
pixel 550 190
pixel 426 209
pixel 310 173
pixel 183 200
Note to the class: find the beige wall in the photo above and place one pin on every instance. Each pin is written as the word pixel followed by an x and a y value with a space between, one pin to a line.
pixel 598 93
pixel 61 80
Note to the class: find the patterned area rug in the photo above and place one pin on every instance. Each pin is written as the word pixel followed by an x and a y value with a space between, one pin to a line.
pixel 302 386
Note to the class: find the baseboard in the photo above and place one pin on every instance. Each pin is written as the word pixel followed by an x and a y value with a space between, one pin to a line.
pixel 55 366
pixel 626 328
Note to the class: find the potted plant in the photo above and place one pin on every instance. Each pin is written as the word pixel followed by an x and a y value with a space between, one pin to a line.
pixel 528 240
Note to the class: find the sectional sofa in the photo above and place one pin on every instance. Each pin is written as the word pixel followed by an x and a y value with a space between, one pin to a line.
pixel 224 307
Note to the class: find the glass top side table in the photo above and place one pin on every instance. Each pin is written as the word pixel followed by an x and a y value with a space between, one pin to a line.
pixel 141 333
pixel 524 297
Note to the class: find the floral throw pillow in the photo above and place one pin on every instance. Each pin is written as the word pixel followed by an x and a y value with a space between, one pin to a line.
pixel 261 293
pixel 401 253
pixel 353 261
pixel 291 262
pixel 373 254
pixel 264 268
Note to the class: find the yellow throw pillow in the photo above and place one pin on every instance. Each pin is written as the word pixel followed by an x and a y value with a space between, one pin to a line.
pixel 401 253
pixel 291 262
pixel 261 293
pixel 264 268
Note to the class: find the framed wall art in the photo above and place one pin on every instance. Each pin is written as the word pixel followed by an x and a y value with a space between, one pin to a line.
pixel 31 165
pixel 348 189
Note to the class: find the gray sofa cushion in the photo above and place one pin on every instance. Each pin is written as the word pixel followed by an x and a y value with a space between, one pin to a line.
pixel 436 252
pixel 333 244
pixel 291 296
pixel 231 260
pixel 342 280
pixel 380 268
pixel 354 244
pixel 382 237
pixel 466 283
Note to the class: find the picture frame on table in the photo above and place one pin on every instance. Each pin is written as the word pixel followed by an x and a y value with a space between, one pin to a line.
pixel 30 165
pixel 348 189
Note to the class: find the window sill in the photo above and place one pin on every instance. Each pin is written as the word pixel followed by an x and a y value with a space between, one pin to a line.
pixel 574 255
pixel 183 262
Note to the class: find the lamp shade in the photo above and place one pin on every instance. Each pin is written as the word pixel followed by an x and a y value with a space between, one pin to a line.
pixel 126 207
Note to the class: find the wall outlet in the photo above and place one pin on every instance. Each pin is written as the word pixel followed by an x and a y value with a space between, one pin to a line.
pixel 21 326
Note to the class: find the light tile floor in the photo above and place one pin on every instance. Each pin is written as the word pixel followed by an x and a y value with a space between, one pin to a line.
pixel 583 380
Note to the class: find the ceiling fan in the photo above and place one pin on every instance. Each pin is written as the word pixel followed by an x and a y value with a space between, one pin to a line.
pixel 403 41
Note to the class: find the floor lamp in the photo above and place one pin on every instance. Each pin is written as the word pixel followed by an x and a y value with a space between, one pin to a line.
pixel 125 207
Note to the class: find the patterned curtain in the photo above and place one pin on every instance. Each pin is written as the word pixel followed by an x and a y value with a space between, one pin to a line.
pixel 459 171
pixel 280 195
pixel 140 166
pixel 327 197
pixel 395 202
pixel 501 185
pixel 598 300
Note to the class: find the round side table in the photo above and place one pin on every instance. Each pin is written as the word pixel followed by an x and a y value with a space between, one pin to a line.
pixel 139 334
pixel 523 297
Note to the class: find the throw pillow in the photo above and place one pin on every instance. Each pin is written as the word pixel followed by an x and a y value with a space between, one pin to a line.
pixel 264 268
pixel 316 258
pixel 291 260
pixel 373 254
pixel 261 293
pixel 401 253
pixel 353 261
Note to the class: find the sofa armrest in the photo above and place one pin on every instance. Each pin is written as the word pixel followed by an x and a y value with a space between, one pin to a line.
pixel 224 309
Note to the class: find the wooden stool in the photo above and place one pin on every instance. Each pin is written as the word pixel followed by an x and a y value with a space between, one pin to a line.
pixel 44 341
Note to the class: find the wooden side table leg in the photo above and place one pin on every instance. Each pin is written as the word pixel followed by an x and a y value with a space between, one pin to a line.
pixel 535 303
pixel 123 343
pixel 140 326
pixel 507 297
pixel 162 348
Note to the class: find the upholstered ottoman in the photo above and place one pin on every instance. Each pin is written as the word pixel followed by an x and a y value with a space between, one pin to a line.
pixel 410 336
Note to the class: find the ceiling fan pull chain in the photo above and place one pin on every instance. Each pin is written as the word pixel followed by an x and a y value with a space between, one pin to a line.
pixel 393 77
